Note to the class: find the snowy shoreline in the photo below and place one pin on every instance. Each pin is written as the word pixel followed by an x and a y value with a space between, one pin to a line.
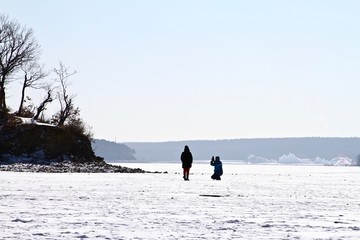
pixel 69 167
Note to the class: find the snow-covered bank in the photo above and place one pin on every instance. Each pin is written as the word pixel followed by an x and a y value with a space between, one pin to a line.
pixel 69 167
pixel 259 202
pixel 292 159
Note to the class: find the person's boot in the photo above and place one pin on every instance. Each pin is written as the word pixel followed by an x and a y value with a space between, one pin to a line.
pixel 187 177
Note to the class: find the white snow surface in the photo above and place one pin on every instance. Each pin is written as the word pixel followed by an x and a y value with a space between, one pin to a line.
pixel 256 202
pixel 33 121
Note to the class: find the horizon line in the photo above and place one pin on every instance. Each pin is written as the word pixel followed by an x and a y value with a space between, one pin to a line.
pixel 224 139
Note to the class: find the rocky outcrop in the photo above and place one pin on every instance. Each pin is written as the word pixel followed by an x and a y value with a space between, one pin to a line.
pixel 41 144
pixel 44 148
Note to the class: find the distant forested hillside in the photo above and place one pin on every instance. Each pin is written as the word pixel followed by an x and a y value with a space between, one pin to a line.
pixel 241 149
pixel 112 151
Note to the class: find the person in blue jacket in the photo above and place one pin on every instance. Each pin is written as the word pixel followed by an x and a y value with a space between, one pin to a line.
pixel 218 171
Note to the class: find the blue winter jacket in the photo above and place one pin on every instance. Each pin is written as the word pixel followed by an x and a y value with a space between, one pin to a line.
pixel 217 167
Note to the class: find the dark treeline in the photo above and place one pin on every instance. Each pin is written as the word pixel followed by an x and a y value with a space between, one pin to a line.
pixel 112 151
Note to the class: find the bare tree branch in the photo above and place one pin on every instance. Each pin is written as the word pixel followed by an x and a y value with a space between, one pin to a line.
pixel 66 101
pixel 48 99
pixel 17 47
pixel 33 76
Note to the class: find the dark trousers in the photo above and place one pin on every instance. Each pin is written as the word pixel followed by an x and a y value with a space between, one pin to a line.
pixel 216 176
pixel 186 173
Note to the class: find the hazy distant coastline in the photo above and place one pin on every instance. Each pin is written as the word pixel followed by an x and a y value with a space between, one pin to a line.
pixel 313 149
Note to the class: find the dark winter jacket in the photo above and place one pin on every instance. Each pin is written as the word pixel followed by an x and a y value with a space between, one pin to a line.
pixel 186 158
pixel 217 167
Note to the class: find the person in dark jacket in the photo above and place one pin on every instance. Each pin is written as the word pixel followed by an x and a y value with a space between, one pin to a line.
pixel 186 159
pixel 218 171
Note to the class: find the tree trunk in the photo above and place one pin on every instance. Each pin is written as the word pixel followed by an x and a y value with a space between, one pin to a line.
pixel 22 99
pixel 2 94
pixel 41 108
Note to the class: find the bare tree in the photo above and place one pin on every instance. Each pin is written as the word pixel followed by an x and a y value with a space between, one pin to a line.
pixel 17 47
pixel 47 99
pixel 65 99
pixel 33 74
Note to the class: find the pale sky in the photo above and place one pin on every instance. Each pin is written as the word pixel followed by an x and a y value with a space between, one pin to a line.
pixel 196 69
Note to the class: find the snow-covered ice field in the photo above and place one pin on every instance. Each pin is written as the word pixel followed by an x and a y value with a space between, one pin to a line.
pixel 257 202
